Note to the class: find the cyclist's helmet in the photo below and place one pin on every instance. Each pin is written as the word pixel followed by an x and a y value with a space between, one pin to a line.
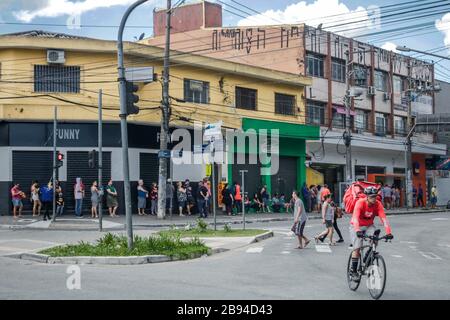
pixel 371 191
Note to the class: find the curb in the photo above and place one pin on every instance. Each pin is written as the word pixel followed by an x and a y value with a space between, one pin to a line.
pixel 132 260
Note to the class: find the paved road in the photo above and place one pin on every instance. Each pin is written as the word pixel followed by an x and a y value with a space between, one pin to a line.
pixel 417 264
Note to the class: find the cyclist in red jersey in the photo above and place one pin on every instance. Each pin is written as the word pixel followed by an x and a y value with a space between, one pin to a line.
pixel 361 223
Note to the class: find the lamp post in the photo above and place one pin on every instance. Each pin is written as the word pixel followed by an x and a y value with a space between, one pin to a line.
pixel 406 49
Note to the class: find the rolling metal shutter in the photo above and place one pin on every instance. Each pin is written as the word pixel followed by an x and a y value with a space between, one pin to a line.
pixel 285 181
pixel 252 177
pixel 77 166
pixel 29 166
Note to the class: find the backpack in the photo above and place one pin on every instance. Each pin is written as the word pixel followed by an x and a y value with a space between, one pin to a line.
pixel 355 192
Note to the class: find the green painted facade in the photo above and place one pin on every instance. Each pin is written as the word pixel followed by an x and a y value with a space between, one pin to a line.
pixel 292 144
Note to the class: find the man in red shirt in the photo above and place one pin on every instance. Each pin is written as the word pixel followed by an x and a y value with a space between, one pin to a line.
pixel 17 195
pixel 325 192
pixel 361 223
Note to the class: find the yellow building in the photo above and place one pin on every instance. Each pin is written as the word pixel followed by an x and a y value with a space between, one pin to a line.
pixel 40 70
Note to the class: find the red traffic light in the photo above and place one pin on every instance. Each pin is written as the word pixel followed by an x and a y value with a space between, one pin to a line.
pixel 60 157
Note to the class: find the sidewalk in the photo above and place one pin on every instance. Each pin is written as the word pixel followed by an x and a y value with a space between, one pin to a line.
pixel 143 222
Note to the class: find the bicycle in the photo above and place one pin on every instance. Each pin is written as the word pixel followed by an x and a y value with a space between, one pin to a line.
pixel 370 264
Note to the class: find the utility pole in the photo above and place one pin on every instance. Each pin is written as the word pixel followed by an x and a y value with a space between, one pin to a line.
pixel 348 132
pixel 100 159
pixel 165 120
pixel 123 122
pixel 55 117
pixel 408 144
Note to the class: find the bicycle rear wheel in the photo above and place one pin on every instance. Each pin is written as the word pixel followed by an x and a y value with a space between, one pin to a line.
pixel 376 277
pixel 353 283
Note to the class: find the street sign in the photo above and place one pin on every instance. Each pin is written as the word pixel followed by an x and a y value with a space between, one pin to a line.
pixel 164 154
pixel 213 131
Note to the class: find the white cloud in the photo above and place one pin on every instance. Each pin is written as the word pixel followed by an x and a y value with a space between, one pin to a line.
pixel 390 46
pixel 443 25
pixel 321 12
pixel 57 8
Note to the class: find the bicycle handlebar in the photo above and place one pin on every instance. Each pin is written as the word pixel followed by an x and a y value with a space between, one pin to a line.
pixel 375 238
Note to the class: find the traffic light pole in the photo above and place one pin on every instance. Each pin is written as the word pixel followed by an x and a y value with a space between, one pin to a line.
pixel 123 122
pixel 100 159
pixel 54 163
pixel 165 120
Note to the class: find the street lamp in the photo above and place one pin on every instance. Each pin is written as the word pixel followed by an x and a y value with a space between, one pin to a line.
pixel 406 49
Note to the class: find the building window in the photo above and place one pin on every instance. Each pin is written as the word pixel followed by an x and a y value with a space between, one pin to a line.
pixel 196 91
pixel 362 120
pixel 361 74
pixel 49 78
pixel 400 125
pixel 338 120
pixel 316 113
pixel 314 65
pixel 285 104
pixel 398 84
pixel 381 80
pixel 338 70
pixel 246 98
pixel 381 124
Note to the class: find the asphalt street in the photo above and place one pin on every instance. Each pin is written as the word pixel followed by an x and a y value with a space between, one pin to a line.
pixel 417 267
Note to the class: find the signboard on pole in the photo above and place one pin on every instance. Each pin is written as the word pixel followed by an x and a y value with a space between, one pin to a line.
pixel 213 131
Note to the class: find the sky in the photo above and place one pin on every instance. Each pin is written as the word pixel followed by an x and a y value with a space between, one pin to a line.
pixel 23 15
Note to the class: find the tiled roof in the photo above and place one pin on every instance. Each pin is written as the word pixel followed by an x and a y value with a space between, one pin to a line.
pixel 43 34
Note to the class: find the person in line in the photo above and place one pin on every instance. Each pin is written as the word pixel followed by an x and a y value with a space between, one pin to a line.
pixel 111 199
pixel 256 203
pixel 387 191
pixel 17 195
pixel 47 200
pixel 95 199
pixel 361 223
pixel 313 196
pixel 207 185
pixel 300 218
pixel 327 220
pixel 414 192
pixel 276 206
pixel 78 195
pixel 237 197
pixel 247 203
pixel 190 196
pixel 265 199
pixel 420 194
pixel 170 190
pixel 154 199
pixel 433 197
pixel 37 204
pixel 319 198
pixel 59 200
pixel 397 197
pixel 202 196
pixel 142 198
pixel 306 193
pixel 227 198
pixel 181 198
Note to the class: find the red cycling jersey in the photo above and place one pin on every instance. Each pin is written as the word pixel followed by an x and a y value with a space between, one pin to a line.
pixel 364 214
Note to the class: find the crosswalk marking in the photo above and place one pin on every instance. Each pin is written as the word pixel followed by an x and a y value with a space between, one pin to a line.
pixel 323 248
pixel 255 250
pixel 396 256
pixel 285 252
pixel 439 219
pixel 430 255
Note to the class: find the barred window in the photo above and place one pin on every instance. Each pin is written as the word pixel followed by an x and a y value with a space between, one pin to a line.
pixel 338 69
pixel 246 98
pixel 362 120
pixel 50 78
pixel 196 91
pixel 316 113
pixel 285 104
pixel 381 80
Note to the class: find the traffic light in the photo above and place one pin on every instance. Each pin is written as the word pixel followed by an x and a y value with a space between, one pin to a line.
pixel 59 159
pixel 132 98
pixel 92 156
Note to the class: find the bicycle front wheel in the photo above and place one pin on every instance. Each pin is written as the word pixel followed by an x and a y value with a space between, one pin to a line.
pixel 376 277
pixel 353 282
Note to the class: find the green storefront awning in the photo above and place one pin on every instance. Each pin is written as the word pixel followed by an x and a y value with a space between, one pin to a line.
pixel 287 130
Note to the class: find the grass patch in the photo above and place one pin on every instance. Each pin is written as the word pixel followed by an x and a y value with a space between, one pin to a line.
pixel 115 245
pixel 212 233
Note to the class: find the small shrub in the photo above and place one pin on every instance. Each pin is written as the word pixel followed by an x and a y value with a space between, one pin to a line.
pixel 202 226
pixel 227 227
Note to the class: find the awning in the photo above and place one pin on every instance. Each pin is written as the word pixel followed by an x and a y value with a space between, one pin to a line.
pixel 341 110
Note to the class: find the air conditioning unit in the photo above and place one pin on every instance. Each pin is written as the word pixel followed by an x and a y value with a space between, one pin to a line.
pixel 386 96
pixel 56 56
pixel 370 91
